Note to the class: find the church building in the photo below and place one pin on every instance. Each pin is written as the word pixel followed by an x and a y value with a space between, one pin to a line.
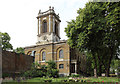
pixel 50 47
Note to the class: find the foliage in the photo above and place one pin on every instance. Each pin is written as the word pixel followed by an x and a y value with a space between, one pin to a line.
pixel 96 29
pixel 89 64
pixel 38 70
pixel 114 65
pixel 75 75
pixel 5 41
pixel 6 75
pixel 34 71
pixel 19 50
pixel 52 70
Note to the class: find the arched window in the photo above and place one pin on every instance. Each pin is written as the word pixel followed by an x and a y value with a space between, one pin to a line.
pixel 29 53
pixel 61 54
pixel 61 66
pixel 33 53
pixel 44 28
pixel 43 56
pixel 56 28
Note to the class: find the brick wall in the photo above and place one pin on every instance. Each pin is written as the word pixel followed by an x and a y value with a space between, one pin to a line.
pixel 13 62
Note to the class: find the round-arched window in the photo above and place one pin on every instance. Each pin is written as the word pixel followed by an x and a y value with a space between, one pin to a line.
pixel 61 54
pixel 43 56
pixel 44 28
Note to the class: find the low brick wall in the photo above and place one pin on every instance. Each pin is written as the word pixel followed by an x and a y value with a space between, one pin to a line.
pixel 15 63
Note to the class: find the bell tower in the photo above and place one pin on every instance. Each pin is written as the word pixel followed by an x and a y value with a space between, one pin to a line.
pixel 48 27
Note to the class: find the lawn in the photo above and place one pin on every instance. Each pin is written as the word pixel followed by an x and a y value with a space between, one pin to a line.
pixel 61 79
pixel 89 79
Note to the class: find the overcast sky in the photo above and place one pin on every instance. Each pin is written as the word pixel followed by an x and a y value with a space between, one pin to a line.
pixel 18 18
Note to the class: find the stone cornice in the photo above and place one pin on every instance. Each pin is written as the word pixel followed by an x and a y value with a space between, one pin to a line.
pixel 48 12
pixel 54 43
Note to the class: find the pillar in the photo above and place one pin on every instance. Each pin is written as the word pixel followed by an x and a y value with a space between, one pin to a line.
pixel 53 24
pixel 59 29
pixel 49 23
pixel 75 67
pixel 39 25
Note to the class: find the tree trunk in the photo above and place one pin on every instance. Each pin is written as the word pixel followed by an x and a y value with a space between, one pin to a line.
pixel 109 62
pixel 100 70
pixel 107 72
pixel 95 72
pixel 95 67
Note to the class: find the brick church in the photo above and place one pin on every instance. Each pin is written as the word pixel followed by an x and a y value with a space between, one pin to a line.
pixel 50 47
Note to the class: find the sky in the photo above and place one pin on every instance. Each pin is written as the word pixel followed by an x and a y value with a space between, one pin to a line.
pixel 18 18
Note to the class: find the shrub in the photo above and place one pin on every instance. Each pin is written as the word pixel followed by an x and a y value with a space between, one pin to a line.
pixel 52 70
pixel 75 75
pixel 53 73
pixel 5 75
pixel 38 70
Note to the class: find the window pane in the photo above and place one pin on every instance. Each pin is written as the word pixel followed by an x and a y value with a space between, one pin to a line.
pixel 61 54
pixel 61 66
pixel 43 56
pixel 44 27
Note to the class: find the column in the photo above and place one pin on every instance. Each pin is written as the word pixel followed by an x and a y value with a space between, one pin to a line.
pixel 49 23
pixel 53 24
pixel 59 29
pixel 75 68
pixel 39 25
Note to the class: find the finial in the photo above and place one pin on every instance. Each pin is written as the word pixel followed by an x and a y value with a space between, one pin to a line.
pixel 53 8
pixel 49 7
pixel 39 11
pixel 58 14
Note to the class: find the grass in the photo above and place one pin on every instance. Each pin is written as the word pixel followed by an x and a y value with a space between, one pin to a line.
pixel 102 79
pixel 38 79
pixel 87 79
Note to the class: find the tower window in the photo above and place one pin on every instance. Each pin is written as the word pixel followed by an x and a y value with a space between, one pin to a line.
pixel 61 54
pixel 43 56
pixel 56 28
pixel 44 29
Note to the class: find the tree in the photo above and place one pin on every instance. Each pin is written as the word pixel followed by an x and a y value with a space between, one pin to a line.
pixel 19 50
pixel 96 31
pixel 52 70
pixel 38 70
pixel 5 41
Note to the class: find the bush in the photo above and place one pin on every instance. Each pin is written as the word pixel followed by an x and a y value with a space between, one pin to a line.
pixel 6 75
pixel 75 75
pixel 38 70
pixel 52 70
pixel 53 73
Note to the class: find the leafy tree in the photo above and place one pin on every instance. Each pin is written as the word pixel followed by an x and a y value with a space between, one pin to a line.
pixel 115 64
pixel 5 41
pixel 52 70
pixel 89 64
pixel 19 50
pixel 96 29
pixel 35 71
pixel 38 70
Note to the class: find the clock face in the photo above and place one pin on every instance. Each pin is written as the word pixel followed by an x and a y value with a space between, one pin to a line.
pixel 45 37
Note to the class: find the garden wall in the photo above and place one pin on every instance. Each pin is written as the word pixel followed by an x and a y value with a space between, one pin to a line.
pixel 15 63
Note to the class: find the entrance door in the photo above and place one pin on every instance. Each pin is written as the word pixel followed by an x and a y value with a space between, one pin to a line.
pixel 72 68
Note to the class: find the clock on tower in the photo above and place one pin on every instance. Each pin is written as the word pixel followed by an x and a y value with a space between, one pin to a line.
pixel 48 27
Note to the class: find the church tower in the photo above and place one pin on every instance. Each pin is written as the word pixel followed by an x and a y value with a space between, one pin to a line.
pixel 48 27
